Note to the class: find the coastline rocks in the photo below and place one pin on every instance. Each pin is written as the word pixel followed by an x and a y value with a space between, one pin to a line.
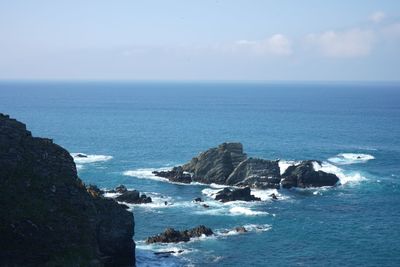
pixel 304 175
pixel 215 164
pixel 48 216
pixel 243 194
pixel 134 197
pixel 171 235
pixel 228 165
pixel 241 229
pixel 257 173
pixel 175 175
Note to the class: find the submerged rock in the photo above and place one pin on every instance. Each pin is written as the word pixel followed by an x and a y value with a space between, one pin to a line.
pixel 48 216
pixel 243 194
pixel 171 235
pixel 304 175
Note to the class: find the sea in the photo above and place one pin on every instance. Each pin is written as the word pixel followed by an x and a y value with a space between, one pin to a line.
pixel 128 129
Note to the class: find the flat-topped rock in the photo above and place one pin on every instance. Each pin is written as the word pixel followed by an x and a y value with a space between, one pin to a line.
pixel 242 194
pixel 171 235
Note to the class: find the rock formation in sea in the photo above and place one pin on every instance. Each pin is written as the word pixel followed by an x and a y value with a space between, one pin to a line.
pixel 227 164
pixel 304 175
pixel 47 216
pixel 171 235
pixel 241 194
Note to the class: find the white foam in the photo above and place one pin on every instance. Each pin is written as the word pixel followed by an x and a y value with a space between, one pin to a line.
pixel 246 211
pixel 147 173
pixel 350 158
pixel 284 164
pixel 345 177
pixel 89 158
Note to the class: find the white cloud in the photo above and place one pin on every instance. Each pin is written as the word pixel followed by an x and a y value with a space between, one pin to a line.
pixel 377 16
pixel 350 43
pixel 277 44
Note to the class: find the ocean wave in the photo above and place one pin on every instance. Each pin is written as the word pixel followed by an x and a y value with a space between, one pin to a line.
pixel 257 228
pixel 81 158
pixel 246 211
pixel 350 158
pixel 147 173
pixel 344 177
pixel 284 164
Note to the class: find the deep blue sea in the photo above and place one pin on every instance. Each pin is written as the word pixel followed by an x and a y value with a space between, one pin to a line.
pixel 129 129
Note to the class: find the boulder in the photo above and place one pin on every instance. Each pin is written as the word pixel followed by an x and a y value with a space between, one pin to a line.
pixel 304 175
pixel 216 164
pixel 48 216
pixel 241 229
pixel 242 194
pixel 198 199
pixel 171 235
pixel 256 173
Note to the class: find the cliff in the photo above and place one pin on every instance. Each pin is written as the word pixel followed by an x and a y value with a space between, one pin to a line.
pixel 47 217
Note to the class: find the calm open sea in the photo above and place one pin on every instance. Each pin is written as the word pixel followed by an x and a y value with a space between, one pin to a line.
pixel 129 129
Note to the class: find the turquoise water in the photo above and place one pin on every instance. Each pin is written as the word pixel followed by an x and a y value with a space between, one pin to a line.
pixel 129 129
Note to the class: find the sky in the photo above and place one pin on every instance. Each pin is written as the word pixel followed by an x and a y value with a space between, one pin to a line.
pixel 285 40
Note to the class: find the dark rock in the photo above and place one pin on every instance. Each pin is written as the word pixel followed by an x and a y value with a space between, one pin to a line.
pixel 241 229
pixel 304 175
pixel 198 199
pixel 94 191
pixel 215 164
pixel 205 206
pixel 81 155
pixel 167 253
pixel 273 196
pixel 121 189
pixel 171 235
pixel 243 194
pixel 134 197
pixel 47 215
pixel 177 175
pixel 257 173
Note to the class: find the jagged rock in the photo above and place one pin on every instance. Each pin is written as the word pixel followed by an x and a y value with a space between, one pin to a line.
pixel 177 175
pixel 48 218
pixel 81 155
pixel 198 199
pixel 215 164
pixel 304 175
pixel 134 197
pixel 171 235
pixel 257 173
pixel 243 194
pixel 94 191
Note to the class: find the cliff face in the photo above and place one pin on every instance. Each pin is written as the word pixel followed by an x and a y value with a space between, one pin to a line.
pixel 47 218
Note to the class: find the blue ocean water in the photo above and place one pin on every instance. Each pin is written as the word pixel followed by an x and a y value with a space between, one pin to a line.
pixel 131 128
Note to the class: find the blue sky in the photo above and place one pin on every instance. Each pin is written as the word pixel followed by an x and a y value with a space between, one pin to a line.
pixel 200 40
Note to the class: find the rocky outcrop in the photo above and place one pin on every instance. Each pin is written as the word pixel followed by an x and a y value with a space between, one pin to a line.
pixel 257 173
pixel 216 164
pixel 243 194
pixel 48 217
pixel 177 175
pixel 134 197
pixel 171 235
pixel 228 165
pixel 304 175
